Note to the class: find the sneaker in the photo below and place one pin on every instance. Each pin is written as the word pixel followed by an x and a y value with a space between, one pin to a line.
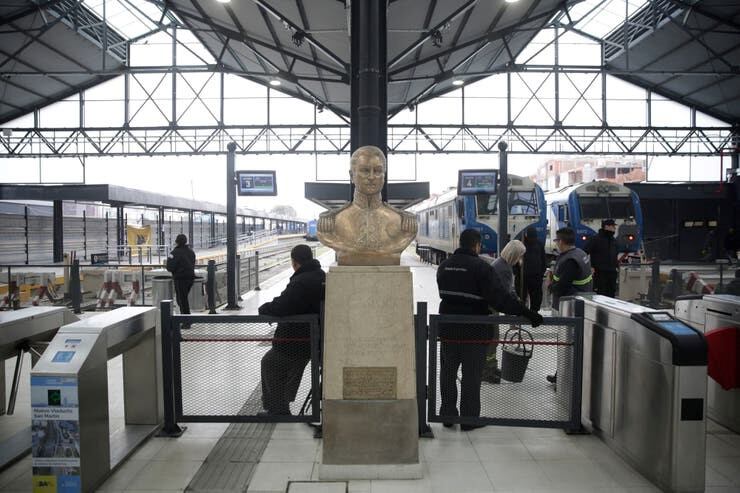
pixel 492 377
pixel 552 378
pixel 448 425
pixel 470 427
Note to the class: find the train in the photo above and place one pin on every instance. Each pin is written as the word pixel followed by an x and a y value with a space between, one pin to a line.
pixel 583 207
pixel 311 230
pixel 442 218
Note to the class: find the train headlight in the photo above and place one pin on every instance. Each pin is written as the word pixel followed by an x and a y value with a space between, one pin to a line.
pixel 583 237
pixel 630 237
pixel 487 237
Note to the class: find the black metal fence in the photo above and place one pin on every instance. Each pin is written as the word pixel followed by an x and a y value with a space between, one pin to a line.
pixel 233 368
pixel 513 360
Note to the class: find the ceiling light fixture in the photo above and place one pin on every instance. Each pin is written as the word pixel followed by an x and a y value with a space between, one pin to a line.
pixel 223 1
pixel 274 82
pixel 458 82
pixel 511 1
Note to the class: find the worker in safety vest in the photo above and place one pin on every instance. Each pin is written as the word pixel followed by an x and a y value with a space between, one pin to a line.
pixel 572 272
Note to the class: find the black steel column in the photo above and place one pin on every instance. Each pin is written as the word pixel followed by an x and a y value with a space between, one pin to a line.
pixel 191 240
pixel 120 230
pixel 160 227
pixel 369 102
pixel 503 196
pixel 231 228
pixel 58 231
pixel 735 157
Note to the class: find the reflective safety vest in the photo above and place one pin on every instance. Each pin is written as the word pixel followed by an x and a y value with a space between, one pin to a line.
pixel 583 282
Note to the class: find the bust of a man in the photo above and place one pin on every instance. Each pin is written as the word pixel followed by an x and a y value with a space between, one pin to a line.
pixel 367 231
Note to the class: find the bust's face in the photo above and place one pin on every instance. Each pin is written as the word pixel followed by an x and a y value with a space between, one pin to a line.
pixel 368 172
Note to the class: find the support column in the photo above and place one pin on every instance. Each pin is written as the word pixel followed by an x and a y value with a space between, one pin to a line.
pixel 212 231
pixel 190 228
pixel 160 226
pixel 58 231
pixel 368 100
pixel 503 196
pixel 231 228
pixel 120 229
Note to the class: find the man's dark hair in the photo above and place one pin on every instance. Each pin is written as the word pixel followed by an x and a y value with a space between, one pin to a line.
pixel 181 240
pixel 301 254
pixel 469 238
pixel 737 274
pixel 531 232
pixel 566 235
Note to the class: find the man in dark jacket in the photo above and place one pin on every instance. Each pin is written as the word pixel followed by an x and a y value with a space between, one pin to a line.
pixel 181 262
pixel 602 247
pixel 535 263
pixel 468 286
pixel 283 365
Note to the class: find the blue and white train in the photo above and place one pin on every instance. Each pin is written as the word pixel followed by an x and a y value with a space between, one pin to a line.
pixel 311 230
pixel 442 218
pixel 583 207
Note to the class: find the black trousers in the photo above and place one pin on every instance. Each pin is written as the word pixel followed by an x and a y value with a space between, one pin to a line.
pixel 472 357
pixel 182 288
pixel 533 291
pixel 281 378
pixel 605 282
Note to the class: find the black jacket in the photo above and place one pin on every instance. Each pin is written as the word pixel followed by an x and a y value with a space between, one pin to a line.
pixel 602 248
pixel 535 261
pixel 181 262
pixel 468 286
pixel 303 295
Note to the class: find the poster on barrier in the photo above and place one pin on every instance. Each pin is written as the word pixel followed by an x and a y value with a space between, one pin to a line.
pixel 139 235
pixel 55 432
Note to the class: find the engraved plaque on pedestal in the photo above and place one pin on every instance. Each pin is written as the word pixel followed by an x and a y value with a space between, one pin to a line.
pixel 369 382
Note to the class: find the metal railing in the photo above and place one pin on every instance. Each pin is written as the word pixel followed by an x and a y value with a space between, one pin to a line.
pixel 213 367
pixel 515 358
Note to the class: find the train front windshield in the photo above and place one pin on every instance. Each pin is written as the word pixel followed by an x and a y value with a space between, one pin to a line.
pixel 606 207
pixel 521 203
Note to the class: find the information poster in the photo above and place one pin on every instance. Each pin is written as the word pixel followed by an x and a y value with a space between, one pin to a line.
pixel 55 431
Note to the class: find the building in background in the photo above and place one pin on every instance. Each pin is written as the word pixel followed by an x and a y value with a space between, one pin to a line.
pixel 562 172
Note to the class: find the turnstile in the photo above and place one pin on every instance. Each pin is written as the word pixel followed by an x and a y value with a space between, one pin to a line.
pixel 25 330
pixel 72 446
pixel 708 313
pixel 644 388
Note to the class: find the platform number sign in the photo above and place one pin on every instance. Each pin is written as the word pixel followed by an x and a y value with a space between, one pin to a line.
pixel 256 183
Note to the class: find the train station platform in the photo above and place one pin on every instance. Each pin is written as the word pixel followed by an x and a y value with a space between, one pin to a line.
pixel 286 457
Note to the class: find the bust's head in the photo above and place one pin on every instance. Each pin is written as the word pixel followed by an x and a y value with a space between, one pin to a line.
pixel 367 170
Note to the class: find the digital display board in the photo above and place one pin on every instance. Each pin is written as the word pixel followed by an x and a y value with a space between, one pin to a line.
pixel 253 183
pixel 477 181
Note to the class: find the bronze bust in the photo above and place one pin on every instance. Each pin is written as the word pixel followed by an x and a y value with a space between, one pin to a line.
pixel 367 231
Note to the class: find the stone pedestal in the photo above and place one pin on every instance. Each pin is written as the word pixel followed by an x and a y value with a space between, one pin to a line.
pixel 370 416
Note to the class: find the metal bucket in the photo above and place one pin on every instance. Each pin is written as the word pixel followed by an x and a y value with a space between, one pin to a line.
pixel 515 354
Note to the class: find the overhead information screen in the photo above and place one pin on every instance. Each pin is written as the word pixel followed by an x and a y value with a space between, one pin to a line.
pixel 256 183
pixel 477 181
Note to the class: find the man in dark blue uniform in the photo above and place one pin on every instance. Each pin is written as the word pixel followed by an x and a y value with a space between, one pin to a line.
pixel 468 286
pixel 602 249
pixel 283 365
pixel 181 262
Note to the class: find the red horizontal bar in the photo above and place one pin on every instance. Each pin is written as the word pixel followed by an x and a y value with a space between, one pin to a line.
pixel 509 342
pixel 248 339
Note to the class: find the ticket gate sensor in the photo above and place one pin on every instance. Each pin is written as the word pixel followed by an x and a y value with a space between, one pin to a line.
pixel 72 447
pixel 25 330
pixel 712 314
pixel 644 388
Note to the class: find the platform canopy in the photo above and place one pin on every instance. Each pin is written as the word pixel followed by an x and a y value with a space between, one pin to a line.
pixel 305 44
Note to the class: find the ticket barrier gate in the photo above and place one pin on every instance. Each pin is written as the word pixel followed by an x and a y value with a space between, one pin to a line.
pixel 644 388
pixel 709 313
pixel 26 330
pixel 73 449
